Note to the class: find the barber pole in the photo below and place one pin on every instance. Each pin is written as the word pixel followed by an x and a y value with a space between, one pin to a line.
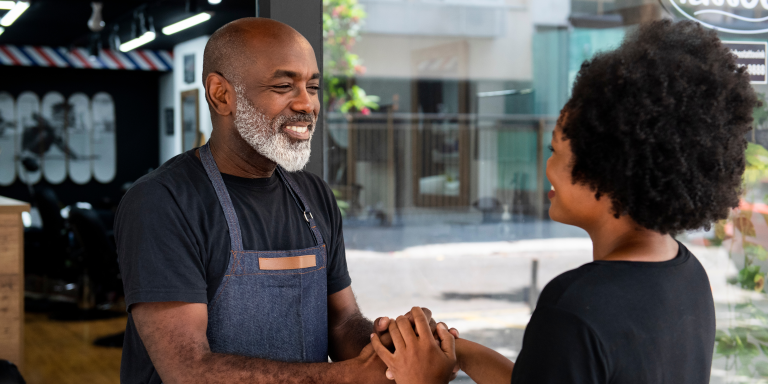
pixel 140 60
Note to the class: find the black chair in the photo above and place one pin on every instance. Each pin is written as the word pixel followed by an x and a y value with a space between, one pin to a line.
pixel 99 281
pixel 97 254
pixel 47 249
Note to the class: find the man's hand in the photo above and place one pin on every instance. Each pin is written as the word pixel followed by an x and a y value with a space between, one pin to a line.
pixel 418 358
pixel 369 368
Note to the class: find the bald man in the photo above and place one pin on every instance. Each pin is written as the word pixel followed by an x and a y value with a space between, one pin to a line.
pixel 233 261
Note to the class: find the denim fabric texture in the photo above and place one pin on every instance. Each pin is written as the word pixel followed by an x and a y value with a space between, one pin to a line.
pixel 272 314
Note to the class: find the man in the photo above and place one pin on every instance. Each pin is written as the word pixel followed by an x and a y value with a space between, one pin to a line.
pixel 233 263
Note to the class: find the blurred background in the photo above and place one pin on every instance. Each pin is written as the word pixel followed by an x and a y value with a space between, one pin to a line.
pixel 437 115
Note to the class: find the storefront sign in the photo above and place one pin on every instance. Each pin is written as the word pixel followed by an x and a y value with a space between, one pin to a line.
pixel 753 56
pixel 733 13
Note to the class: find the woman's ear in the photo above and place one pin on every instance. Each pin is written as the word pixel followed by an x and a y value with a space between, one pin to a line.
pixel 220 94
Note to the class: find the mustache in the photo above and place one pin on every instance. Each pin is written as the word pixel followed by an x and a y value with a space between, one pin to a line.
pixel 297 118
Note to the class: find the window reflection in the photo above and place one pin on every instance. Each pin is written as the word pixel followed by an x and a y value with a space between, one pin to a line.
pixel 438 116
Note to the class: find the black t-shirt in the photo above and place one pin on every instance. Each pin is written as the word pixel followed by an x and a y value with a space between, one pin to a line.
pixel 173 241
pixel 622 322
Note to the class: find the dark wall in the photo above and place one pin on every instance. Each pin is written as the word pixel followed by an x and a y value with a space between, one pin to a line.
pixel 135 94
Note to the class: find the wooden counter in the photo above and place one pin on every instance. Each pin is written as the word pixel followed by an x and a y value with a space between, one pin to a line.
pixel 12 280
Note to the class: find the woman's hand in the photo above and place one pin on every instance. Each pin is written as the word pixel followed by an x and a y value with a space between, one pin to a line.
pixel 418 358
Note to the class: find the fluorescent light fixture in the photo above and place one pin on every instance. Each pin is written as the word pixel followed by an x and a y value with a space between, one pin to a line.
pixel 137 42
pixel 2 30
pixel 186 23
pixel 14 13
pixel 7 4
pixel 214 1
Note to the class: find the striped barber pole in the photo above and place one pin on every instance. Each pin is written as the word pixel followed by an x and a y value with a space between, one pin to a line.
pixel 140 60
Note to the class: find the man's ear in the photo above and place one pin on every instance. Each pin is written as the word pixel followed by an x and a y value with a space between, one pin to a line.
pixel 220 94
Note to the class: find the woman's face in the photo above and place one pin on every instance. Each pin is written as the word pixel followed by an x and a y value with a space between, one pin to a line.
pixel 573 204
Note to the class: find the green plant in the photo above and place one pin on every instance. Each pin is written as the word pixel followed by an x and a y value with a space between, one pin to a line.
pixel 745 346
pixel 343 205
pixel 760 114
pixel 342 20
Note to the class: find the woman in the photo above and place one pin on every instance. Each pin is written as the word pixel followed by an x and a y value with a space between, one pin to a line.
pixel 650 144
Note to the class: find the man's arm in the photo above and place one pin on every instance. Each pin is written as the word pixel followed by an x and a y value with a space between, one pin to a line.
pixel 348 330
pixel 174 334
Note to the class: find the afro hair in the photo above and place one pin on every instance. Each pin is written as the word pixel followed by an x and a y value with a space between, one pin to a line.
pixel 659 125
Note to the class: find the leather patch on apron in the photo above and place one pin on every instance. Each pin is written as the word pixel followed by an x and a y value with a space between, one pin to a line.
pixel 282 263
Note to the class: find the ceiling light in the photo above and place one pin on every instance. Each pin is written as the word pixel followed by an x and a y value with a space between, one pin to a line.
pixel 2 30
pixel 137 42
pixel 14 13
pixel 186 23
pixel 7 4
pixel 214 1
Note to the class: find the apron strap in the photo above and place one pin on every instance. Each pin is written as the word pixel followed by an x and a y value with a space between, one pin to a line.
pixel 235 237
pixel 302 204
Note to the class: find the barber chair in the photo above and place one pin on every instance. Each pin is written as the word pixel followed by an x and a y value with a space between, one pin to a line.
pixel 47 248
pixel 99 281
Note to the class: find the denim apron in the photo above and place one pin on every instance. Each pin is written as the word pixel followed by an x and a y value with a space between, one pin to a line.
pixel 270 304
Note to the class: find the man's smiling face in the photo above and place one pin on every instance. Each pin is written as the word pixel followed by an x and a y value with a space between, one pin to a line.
pixel 278 102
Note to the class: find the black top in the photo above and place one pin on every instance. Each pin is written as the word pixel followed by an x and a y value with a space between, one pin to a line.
pixel 173 242
pixel 622 322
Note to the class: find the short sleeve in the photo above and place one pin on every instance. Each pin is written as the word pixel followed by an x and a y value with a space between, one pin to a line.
pixel 158 255
pixel 558 347
pixel 338 274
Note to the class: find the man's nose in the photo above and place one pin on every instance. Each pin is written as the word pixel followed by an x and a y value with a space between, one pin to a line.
pixel 303 102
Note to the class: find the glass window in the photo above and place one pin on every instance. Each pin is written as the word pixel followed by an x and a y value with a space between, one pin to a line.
pixel 438 116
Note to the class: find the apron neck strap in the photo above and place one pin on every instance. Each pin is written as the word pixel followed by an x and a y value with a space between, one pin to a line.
pixel 301 203
pixel 235 237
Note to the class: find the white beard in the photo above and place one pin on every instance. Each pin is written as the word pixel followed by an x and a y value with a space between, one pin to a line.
pixel 266 137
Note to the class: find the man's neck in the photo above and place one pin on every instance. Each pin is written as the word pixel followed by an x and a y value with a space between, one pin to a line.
pixel 235 157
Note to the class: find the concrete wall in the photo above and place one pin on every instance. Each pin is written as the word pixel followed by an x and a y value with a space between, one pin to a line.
pixel 506 57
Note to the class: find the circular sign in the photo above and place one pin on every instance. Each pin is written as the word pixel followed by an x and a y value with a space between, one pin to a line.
pixel 733 13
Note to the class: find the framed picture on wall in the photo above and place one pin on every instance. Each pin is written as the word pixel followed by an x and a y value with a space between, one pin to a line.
pixel 190 119
pixel 189 69
pixel 168 114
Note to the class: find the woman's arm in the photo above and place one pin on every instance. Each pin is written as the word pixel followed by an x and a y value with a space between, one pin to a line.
pixel 482 364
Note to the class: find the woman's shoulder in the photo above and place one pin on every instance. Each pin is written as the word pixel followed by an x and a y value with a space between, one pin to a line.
pixel 611 290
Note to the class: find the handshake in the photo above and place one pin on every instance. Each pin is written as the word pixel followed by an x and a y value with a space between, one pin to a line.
pixel 414 348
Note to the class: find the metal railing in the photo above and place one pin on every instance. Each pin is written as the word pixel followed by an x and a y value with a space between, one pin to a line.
pixel 393 166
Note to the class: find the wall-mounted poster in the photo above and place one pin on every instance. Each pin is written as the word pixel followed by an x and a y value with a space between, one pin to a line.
pixel 28 118
pixel 56 138
pixel 189 69
pixel 7 139
pixel 190 123
pixel 79 128
pixel 104 146
pixel 54 146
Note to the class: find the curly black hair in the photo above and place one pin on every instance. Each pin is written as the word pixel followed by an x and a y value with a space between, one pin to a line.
pixel 659 126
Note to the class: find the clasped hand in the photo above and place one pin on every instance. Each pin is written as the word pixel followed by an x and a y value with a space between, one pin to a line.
pixel 424 355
